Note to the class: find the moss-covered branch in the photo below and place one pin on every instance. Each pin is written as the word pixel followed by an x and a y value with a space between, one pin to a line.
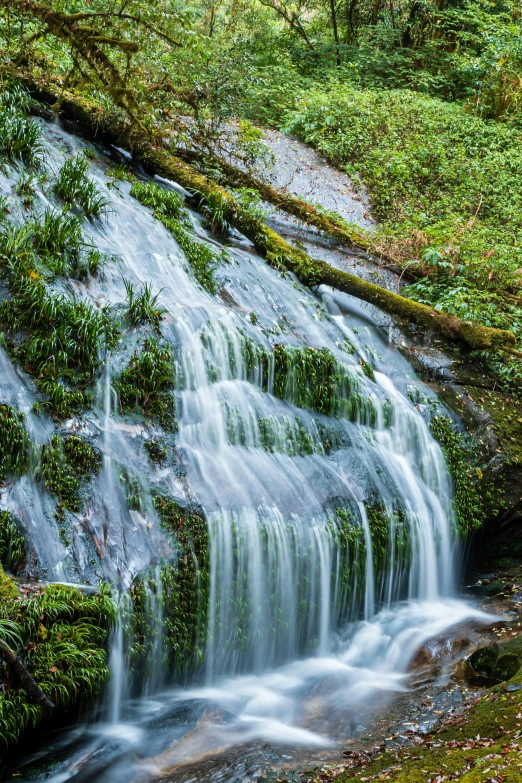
pixel 151 153
pixel 290 204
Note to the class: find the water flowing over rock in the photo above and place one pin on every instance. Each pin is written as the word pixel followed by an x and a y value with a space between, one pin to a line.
pixel 287 542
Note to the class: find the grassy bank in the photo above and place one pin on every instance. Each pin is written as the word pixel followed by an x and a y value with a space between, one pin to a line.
pixel 445 189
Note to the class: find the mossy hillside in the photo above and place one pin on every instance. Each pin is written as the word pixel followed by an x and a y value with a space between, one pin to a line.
pixel 184 592
pixel 147 384
pixel 60 633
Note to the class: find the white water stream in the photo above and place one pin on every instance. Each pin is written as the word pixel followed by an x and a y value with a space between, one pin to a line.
pixel 288 658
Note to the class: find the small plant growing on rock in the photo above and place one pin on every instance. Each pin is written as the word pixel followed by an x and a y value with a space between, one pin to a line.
pixel 75 188
pixel 142 307
pixel 147 383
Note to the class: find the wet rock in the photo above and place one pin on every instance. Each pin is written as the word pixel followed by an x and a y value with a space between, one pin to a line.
pixel 499 661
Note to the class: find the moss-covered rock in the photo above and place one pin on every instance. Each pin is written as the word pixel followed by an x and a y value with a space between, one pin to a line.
pixel 66 463
pixel 147 384
pixel 182 591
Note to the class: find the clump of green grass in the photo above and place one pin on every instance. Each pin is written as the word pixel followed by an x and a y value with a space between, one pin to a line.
pixel 20 137
pixel 25 188
pixel 147 384
pixel 75 188
pixel 12 544
pixel 163 202
pixel 66 463
pixel 143 307
pixel 168 208
pixel 63 336
pixel 61 636
pixel 14 443
pixel 58 240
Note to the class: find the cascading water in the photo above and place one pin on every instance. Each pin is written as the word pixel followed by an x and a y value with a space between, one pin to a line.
pixel 325 497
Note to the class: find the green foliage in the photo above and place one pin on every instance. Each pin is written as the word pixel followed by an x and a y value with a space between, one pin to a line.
pixel 15 445
pixel 58 240
pixel 444 185
pixel 469 503
pixel 310 378
pixel 250 202
pixel 60 634
pixel 167 207
pixel 12 544
pixel 156 451
pixel 185 585
pixel 66 463
pixel 64 334
pixel 75 188
pixel 163 202
pixel 143 307
pixel 20 137
pixel 147 384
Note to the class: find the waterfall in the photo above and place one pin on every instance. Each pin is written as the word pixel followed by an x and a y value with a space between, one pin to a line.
pixel 327 503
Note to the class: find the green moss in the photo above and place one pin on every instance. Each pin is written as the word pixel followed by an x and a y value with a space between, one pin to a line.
pixel 468 492
pixel 309 378
pixel 499 661
pixel 60 634
pixel 368 370
pixel 8 589
pixel 184 590
pixel 66 463
pixel 14 443
pixel 12 544
pixel 147 384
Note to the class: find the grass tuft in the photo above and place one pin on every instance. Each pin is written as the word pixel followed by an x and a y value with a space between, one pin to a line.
pixel 76 189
